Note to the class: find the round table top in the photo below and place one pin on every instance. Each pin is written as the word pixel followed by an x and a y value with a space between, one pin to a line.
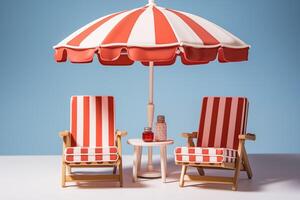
pixel 140 142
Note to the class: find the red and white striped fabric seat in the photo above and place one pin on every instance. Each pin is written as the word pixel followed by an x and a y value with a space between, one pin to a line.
pixel 222 120
pixel 204 155
pixel 91 154
pixel 92 129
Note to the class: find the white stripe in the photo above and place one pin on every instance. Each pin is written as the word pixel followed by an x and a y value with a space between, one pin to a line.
pixel 74 34
pixel 213 159
pixel 97 36
pixel 92 121
pixel 105 151
pixel 184 150
pixel 199 159
pixel 91 158
pixel 143 31
pixel 198 150
pixel 79 137
pixel 76 151
pixel 182 31
pixel 185 159
pixel 232 122
pixel 105 134
pixel 106 157
pixel 220 120
pixel 223 36
pixel 91 151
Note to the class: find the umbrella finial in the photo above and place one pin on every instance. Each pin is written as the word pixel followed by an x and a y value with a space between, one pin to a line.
pixel 151 2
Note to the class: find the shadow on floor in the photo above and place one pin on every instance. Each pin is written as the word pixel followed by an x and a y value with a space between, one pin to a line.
pixel 267 169
pixel 127 180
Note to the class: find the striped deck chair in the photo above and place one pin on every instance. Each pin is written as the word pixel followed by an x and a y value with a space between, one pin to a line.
pixel 220 141
pixel 92 140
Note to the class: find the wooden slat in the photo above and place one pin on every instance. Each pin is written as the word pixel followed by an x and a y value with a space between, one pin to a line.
pixel 71 178
pixel 209 179
pixel 94 164
pixel 210 165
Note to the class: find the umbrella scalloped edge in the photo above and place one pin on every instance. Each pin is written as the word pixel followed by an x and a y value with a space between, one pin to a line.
pixel 124 56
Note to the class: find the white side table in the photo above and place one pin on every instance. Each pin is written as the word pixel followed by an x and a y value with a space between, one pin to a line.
pixel 138 145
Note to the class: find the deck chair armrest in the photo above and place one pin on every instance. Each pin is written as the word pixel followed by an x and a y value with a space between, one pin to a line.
pixel 248 136
pixel 63 134
pixel 66 137
pixel 121 133
pixel 190 137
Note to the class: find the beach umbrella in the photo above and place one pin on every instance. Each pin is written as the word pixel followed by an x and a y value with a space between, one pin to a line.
pixel 154 36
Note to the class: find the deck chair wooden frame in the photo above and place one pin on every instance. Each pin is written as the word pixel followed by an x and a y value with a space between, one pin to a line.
pixel 67 175
pixel 241 164
pixel 93 141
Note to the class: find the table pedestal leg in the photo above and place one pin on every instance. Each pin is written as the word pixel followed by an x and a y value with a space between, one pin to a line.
pixel 136 162
pixel 150 172
pixel 150 164
pixel 163 162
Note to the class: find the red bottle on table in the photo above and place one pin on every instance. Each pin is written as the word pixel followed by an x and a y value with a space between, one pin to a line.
pixel 148 135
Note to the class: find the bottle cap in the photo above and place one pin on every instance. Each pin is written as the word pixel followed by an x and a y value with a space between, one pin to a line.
pixel 147 129
pixel 160 118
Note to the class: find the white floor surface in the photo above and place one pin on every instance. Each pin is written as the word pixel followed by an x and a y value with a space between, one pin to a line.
pixel 38 177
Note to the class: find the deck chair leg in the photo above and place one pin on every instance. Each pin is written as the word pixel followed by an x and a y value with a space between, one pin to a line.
pixel 68 169
pixel 183 171
pixel 121 173
pixel 200 171
pixel 247 164
pixel 63 175
pixel 115 170
pixel 238 167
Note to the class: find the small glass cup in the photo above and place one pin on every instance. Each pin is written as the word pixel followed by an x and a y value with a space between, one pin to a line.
pixel 148 135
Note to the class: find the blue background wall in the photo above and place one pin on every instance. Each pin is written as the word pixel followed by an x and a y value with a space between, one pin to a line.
pixel 35 90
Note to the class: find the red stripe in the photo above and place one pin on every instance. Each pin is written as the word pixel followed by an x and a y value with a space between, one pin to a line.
pixel 74 121
pixel 219 158
pixel 202 121
pixel 206 158
pixel 69 158
pixel 205 36
pixel 213 124
pixel 111 121
pixel 120 33
pixel 84 157
pixel 113 157
pixel 113 150
pixel 164 33
pixel 191 150
pixel 219 152
pixel 179 157
pixel 98 121
pixel 226 122
pixel 205 151
pixel 80 37
pixel 99 157
pixel 69 151
pixel 192 158
pixel 84 150
pixel 238 123
pixel 245 116
pixel 86 121
pixel 178 150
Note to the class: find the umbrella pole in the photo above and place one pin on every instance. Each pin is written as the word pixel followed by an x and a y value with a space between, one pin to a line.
pixel 150 111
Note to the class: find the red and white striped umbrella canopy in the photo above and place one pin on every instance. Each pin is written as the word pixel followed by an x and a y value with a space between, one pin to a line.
pixel 151 34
